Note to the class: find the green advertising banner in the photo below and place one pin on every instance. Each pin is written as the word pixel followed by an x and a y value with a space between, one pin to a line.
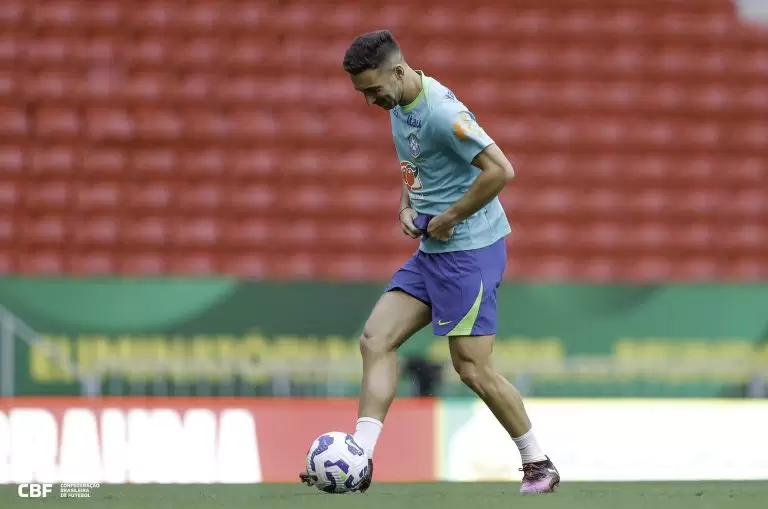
pixel 211 336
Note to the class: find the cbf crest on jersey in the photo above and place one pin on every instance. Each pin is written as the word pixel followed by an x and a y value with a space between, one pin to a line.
pixel 411 176
pixel 413 143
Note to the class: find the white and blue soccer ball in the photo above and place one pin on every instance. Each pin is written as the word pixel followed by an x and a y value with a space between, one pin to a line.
pixel 336 463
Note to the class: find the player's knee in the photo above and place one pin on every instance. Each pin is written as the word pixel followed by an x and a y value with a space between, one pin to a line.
pixel 475 376
pixel 373 342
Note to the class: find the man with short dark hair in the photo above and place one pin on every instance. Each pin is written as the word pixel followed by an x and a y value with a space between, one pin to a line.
pixel 452 175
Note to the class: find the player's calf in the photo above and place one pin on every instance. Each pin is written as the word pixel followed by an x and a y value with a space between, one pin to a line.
pixel 394 319
pixel 378 349
pixel 471 358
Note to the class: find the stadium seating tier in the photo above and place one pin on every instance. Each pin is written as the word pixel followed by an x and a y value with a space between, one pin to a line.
pixel 169 137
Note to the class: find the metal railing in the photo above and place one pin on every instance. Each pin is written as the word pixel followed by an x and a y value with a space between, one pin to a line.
pixel 12 330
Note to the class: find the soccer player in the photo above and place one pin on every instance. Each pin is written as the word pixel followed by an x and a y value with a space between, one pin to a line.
pixel 452 175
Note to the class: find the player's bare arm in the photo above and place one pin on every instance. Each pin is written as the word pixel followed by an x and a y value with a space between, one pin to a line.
pixel 496 171
pixel 407 214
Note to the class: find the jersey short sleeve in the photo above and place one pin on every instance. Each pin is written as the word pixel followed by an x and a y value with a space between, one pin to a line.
pixel 457 127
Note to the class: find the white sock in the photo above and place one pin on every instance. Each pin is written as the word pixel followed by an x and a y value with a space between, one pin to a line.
pixel 530 451
pixel 367 433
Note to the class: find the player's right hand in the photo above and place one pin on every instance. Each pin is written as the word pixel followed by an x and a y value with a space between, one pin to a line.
pixel 407 215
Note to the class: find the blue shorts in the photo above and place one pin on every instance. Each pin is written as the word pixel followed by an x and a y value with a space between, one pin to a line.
pixel 459 286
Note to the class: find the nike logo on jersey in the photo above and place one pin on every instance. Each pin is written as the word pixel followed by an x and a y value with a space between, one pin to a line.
pixel 441 323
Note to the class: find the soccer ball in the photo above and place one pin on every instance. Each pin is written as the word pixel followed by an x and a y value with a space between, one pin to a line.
pixel 336 463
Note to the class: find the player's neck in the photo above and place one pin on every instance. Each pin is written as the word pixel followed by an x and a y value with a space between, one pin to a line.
pixel 412 87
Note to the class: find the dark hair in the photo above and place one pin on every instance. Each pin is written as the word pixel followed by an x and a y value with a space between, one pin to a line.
pixel 370 51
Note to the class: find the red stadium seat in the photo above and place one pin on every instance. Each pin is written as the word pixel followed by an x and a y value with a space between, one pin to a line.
pixel 148 86
pixel 246 265
pixel 196 232
pixel 98 196
pixel 13 122
pixel 108 124
pixel 41 263
pixel 147 197
pixel 294 266
pixel 194 87
pixel 194 264
pixel 148 51
pixel 11 160
pixel 146 232
pixel 9 194
pixel 103 162
pixel 53 84
pixel 12 13
pixel 100 231
pixel 48 231
pixel 10 83
pixel 158 124
pixel 93 263
pixel 53 122
pixel 205 162
pixel 203 197
pixel 252 162
pixel 47 196
pixel 59 159
pixel 746 268
pixel 255 233
pixel 154 163
pixel 248 199
pixel 7 229
pixel 147 263
pixel 7 265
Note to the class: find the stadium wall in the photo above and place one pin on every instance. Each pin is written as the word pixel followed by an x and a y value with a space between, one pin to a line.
pixel 211 332
pixel 241 440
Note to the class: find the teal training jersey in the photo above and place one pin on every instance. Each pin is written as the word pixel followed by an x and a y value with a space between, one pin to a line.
pixel 436 138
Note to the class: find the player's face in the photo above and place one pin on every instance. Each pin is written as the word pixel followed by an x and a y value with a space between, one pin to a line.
pixel 382 87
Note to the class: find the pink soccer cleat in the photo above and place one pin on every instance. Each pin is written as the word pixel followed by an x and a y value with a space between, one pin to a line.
pixel 539 477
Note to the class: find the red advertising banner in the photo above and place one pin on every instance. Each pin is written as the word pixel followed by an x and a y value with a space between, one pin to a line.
pixel 196 440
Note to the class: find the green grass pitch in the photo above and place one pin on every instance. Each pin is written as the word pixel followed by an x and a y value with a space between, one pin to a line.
pixel 672 495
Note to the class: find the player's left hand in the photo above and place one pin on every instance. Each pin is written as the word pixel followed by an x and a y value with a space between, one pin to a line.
pixel 441 227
